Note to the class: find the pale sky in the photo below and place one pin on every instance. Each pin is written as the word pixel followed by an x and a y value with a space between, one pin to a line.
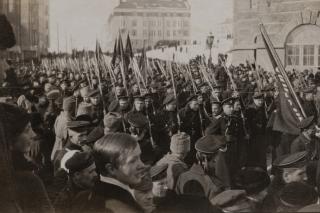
pixel 81 22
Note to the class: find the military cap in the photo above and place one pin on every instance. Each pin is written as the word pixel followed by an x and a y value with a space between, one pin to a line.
pixel 53 94
pixel 180 143
pixel 138 98
pixel 192 98
pixel 204 84
pixel 148 95
pixel 228 101
pixel 217 86
pixel 307 122
pixel 93 93
pixel 169 99
pixel 215 102
pixel 78 126
pixel 137 120
pixel 113 106
pixel 210 144
pixel 228 196
pixel 298 195
pixel 69 104
pixel 294 160
pixel 252 179
pixel 158 172
pixel 79 161
pixel 123 97
pixel 112 120
pixel 311 208
pixel 308 90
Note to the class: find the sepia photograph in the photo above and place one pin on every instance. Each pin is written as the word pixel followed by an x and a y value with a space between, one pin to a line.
pixel 159 106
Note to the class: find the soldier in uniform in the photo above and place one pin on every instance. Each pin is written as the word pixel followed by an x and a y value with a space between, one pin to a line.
pixel 232 129
pixel 192 124
pixel 257 122
pixel 201 179
pixel 166 124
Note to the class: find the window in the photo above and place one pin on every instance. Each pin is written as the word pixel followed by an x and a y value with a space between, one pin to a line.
pixel 160 34
pixel 134 23
pixel 293 53
pixel 253 4
pixel 186 33
pixel 186 23
pixel 168 33
pixel 134 33
pixel 174 33
pixel 159 23
pixel 308 55
pixel 144 23
pixel 174 22
pixel 168 24
pixel 145 33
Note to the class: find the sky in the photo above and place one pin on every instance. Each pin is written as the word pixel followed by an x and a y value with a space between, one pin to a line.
pixel 78 23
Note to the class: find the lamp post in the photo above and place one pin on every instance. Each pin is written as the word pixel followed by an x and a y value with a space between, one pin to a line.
pixel 210 40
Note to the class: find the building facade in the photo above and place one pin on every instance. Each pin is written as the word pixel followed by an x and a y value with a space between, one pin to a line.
pixel 30 22
pixel 151 21
pixel 293 27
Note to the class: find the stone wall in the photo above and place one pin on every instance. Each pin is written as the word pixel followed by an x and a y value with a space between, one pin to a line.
pixel 279 18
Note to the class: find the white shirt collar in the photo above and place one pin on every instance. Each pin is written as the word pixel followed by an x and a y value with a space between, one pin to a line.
pixel 117 183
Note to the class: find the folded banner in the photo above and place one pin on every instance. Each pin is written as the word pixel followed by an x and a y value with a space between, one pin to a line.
pixel 289 112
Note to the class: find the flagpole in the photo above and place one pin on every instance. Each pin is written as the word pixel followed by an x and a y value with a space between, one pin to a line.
pixel 280 67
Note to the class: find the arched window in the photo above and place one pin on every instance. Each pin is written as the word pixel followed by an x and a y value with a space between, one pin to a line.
pixel 303 47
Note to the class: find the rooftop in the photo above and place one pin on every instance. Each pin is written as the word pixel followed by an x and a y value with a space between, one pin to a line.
pixel 153 4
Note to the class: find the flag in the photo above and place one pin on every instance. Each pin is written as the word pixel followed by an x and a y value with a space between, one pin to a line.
pixel 143 64
pixel 128 53
pixel 290 112
pixel 113 61
pixel 122 62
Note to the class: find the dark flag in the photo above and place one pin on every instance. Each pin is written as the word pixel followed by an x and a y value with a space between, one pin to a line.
pixel 290 112
pixel 115 54
pixel 7 38
pixel 128 52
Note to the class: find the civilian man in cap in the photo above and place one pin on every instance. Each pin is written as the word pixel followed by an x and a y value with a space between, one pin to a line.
pixel 232 129
pixel 179 148
pixel 117 158
pixel 166 124
pixel 288 168
pixel 216 109
pixel 82 175
pixel 256 121
pixel 201 179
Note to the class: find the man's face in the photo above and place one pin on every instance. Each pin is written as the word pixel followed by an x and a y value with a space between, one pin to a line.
pixel 118 90
pixel 139 105
pixel 216 109
pixel 148 102
pixel 87 177
pixel 145 200
pixel 309 96
pixel 171 107
pixel 131 169
pixel 294 175
pixel 77 137
pixel 94 100
pixel 217 91
pixel 24 140
pixel 200 99
pixel 160 188
pixel 123 104
pixel 194 105
pixel 228 109
pixel 258 102
pixel 135 88
pixel 237 106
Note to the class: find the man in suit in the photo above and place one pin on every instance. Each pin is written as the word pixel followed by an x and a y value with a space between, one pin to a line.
pixel 117 157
